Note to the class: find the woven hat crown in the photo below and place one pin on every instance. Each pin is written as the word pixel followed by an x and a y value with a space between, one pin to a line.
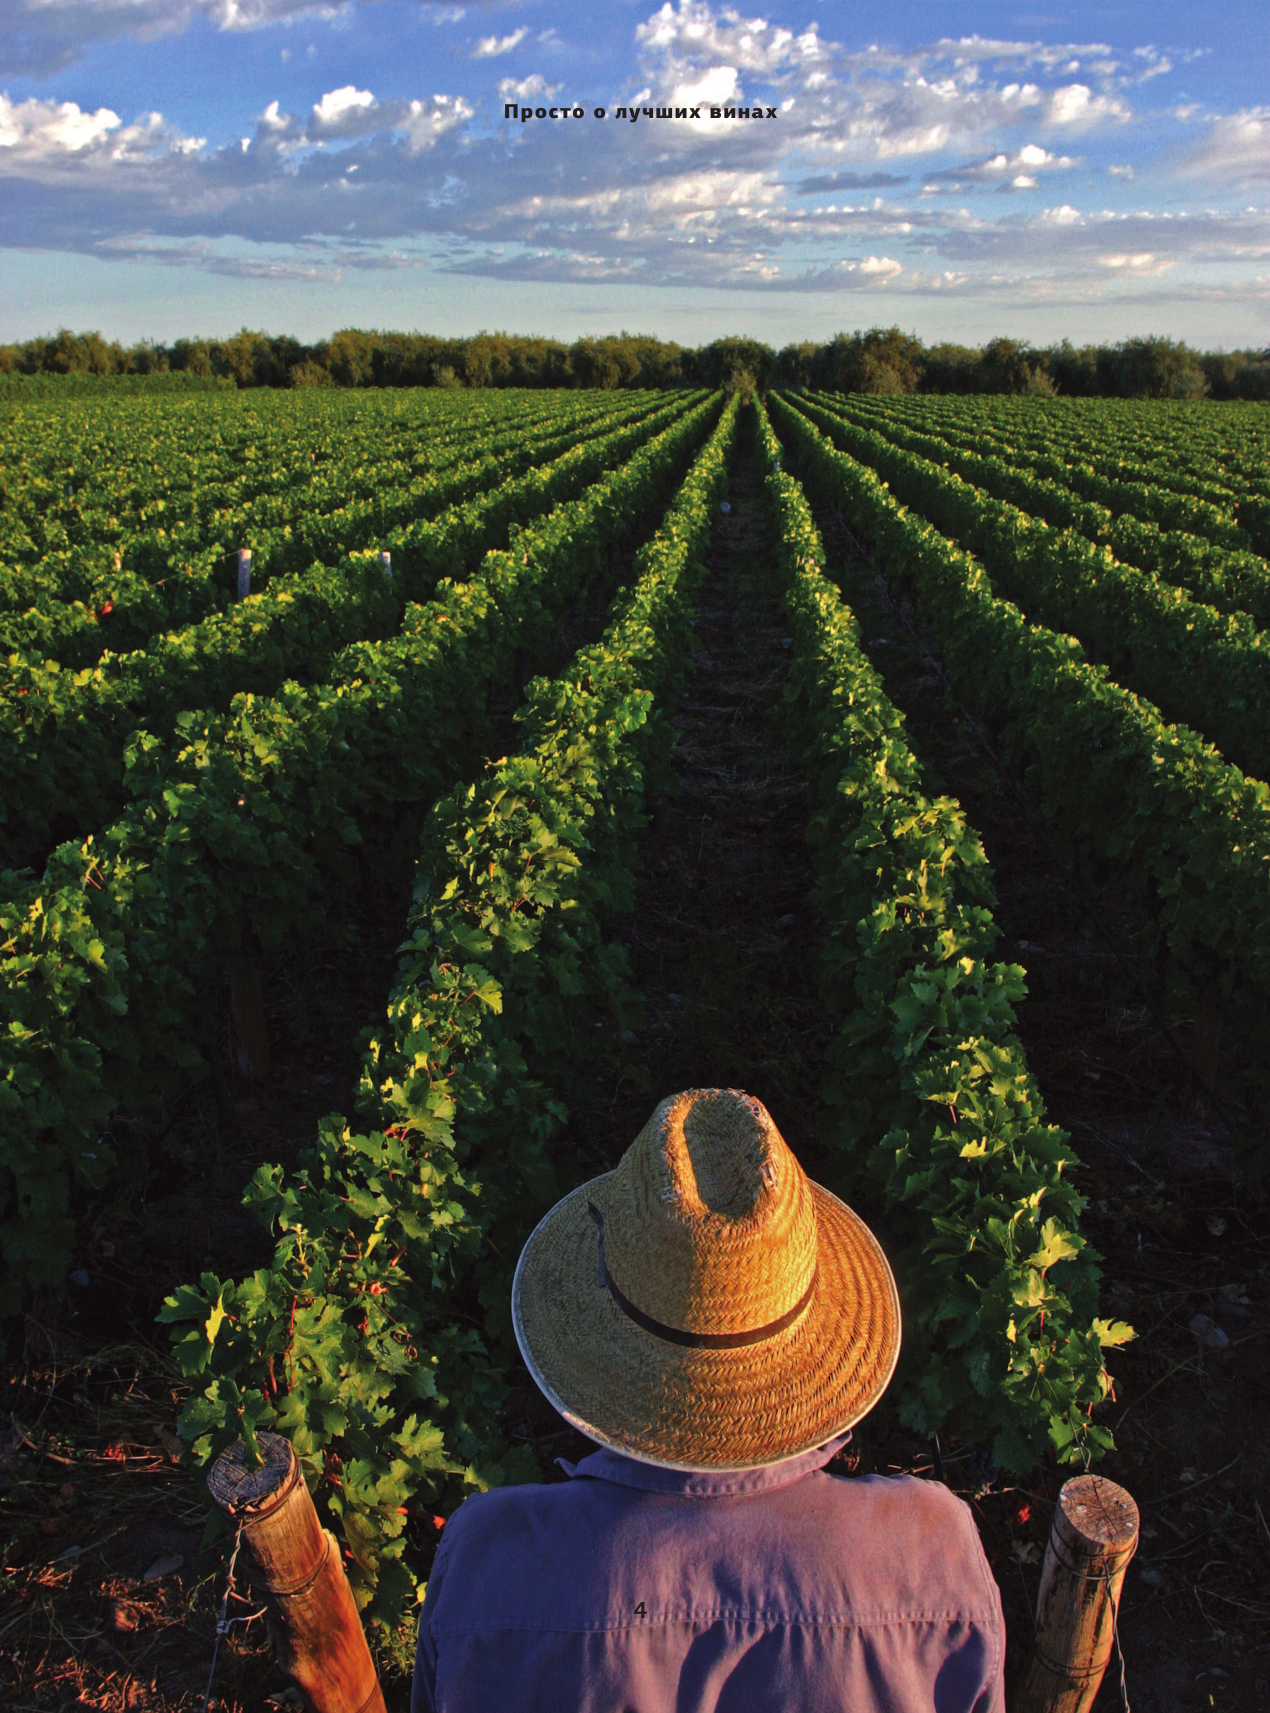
pixel 709 1221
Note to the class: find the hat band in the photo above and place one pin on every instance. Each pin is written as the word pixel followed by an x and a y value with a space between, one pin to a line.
pixel 695 1340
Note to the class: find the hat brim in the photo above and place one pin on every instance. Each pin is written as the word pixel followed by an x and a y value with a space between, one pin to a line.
pixel 684 1408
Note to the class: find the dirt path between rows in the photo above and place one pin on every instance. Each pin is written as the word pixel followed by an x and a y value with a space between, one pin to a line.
pixel 721 940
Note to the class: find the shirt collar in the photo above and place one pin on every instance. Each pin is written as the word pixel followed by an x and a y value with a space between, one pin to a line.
pixel 608 1465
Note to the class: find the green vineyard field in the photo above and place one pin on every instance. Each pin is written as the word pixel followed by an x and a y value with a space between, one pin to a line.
pixel 452 672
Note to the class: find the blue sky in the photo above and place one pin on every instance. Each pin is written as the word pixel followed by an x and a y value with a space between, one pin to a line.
pixel 175 167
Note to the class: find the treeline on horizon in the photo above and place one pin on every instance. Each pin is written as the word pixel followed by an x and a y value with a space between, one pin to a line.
pixel 879 360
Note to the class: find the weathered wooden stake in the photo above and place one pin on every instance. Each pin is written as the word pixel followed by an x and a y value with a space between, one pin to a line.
pixel 244 573
pixel 247 1008
pixel 294 1564
pixel 1093 1536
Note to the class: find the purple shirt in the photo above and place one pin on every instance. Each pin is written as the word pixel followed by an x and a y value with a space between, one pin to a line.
pixel 633 1589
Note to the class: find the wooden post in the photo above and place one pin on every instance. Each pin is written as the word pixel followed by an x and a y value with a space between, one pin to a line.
pixel 1093 1536
pixel 295 1566
pixel 247 1008
pixel 244 573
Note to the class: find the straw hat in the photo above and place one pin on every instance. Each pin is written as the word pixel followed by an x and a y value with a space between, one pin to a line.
pixel 706 1306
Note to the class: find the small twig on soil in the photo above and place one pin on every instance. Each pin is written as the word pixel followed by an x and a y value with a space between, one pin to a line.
pixel 1183 1492
pixel 1176 1369
pixel 1257 1611
pixel 1257 1507
pixel 1176 1551
pixel 1234 1345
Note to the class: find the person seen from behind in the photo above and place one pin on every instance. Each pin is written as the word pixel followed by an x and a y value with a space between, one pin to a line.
pixel 717 1323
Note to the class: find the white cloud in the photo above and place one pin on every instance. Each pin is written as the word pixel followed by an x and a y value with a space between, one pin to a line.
pixel 1015 170
pixel 712 88
pixel 489 47
pixel 424 123
pixel 880 104
pixel 1156 64
pixel 341 112
pixel 1235 151
pixel 49 140
pixel 1140 263
pixel 34 129
pixel 527 89
pixel 347 114
pixel 695 32
pixel 1076 105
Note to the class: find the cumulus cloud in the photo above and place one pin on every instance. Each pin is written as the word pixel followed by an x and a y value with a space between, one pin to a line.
pixel 1076 105
pixel 696 33
pixel 527 88
pixel 878 104
pixel 342 113
pixel 424 123
pixel 58 134
pixel 713 87
pixel 33 130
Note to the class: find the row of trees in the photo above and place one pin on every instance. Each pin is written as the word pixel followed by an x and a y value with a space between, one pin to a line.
pixel 881 360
